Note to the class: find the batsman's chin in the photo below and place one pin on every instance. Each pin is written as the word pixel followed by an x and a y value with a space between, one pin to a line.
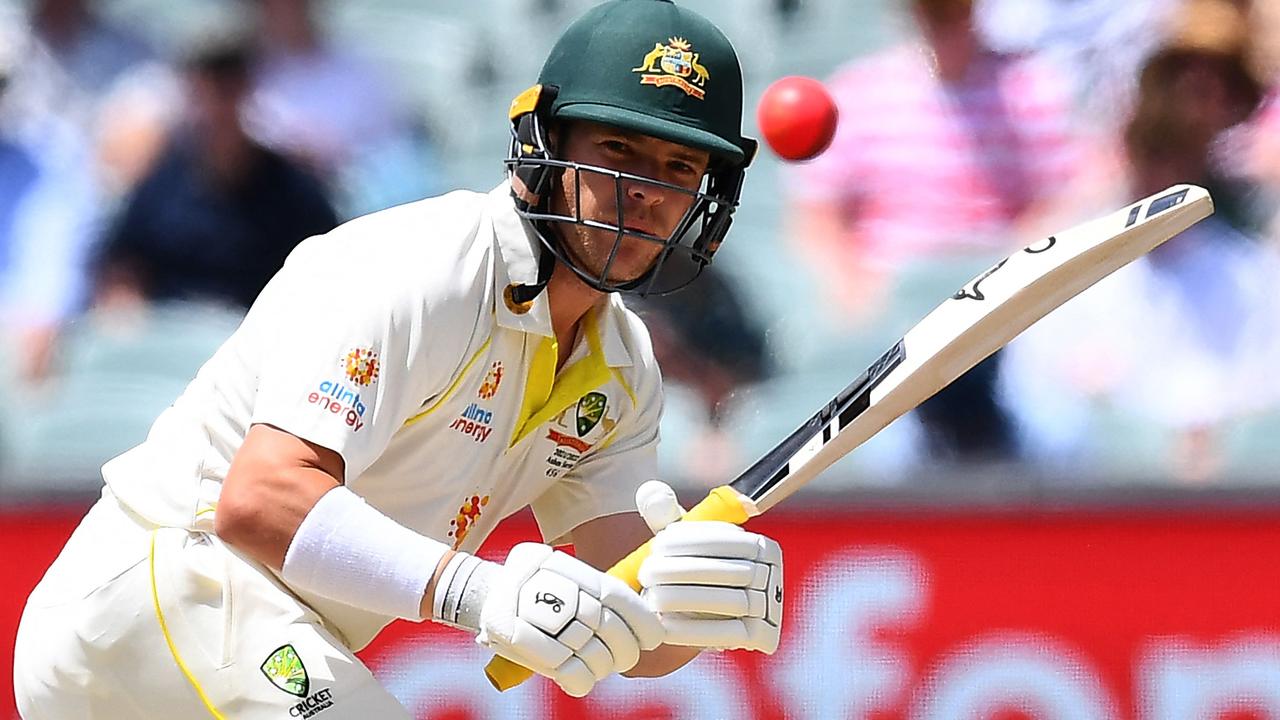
pixel 627 267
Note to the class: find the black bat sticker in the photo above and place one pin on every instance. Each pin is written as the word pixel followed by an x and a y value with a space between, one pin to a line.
pixel 972 291
pixel 1157 206
pixel 842 410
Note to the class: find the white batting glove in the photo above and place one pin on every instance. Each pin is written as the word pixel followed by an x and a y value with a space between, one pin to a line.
pixel 564 619
pixel 713 584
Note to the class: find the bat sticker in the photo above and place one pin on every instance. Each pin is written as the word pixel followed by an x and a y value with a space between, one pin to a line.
pixel 857 396
pixel 840 412
pixel 1157 206
pixel 971 291
pixel 1049 242
pixel 1171 200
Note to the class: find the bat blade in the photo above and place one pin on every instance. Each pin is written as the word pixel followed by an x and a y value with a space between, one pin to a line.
pixel 980 318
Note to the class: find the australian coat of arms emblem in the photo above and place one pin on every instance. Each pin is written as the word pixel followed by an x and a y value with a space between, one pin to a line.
pixel 674 63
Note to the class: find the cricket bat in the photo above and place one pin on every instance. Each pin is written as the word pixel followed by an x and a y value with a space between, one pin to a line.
pixel 980 318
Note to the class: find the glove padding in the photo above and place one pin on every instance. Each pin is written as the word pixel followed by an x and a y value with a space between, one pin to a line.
pixel 713 584
pixel 564 619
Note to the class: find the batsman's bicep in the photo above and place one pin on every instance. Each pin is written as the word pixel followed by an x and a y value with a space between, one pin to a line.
pixel 274 480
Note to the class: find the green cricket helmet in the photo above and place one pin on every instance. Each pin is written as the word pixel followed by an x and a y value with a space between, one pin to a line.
pixel 650 67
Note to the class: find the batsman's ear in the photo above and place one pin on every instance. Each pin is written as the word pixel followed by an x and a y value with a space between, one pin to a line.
pixel 658 505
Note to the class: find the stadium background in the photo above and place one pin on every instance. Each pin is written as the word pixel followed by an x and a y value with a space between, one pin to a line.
pixel 1109 585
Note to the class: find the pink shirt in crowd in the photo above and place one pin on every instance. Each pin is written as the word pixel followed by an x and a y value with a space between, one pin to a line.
pixel 924 167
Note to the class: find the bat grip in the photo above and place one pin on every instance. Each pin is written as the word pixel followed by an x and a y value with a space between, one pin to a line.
pixel 723 503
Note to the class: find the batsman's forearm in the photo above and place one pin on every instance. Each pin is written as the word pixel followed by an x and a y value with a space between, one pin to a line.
pixel 663 660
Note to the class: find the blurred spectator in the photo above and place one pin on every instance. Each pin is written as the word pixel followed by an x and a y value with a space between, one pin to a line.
pixel 336 113
pixel 135 121
pixel 75 63
pixel 1202 84
pixel 91 52
pixel 1250 153
pixel 1185 341
pixel 945 149
pixel 73 58
pixel 47 216
pixel 219 213
pixel 1259 149
pixel 1098 44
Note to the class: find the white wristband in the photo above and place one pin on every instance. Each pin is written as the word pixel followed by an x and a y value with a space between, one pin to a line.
pixel 347 551
pixel 442 585
pixel 460 592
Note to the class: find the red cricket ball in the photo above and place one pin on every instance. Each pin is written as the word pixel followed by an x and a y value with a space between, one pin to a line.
pixel 797 117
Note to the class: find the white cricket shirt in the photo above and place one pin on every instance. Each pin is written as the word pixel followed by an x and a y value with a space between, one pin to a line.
pixel 389 341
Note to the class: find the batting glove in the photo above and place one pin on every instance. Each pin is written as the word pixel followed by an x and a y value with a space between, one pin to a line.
pixel 564 619
pixel 713 584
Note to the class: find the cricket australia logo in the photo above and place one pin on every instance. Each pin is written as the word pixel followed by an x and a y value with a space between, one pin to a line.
pixel 590 409
pixel 674 63
pixel 285 670
pixel 581 426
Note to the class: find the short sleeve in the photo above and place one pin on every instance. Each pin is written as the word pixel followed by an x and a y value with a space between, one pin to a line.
pixel 349 363
pixel 605 481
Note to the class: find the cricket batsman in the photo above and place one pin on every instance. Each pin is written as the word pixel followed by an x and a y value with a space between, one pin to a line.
pixel 404 383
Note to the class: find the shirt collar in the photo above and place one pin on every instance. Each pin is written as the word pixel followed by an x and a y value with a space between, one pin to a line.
pixel 611 315
pixel 520 248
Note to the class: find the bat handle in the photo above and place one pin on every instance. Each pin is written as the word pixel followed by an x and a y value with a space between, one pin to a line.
pixel 723 503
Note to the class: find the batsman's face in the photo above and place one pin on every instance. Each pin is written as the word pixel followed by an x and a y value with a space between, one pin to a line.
pixel 646 208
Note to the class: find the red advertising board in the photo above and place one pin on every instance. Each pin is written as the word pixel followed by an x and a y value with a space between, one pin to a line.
pixel 1000 615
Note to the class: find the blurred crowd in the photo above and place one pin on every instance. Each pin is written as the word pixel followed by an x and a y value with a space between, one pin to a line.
pixel 997 122
pixel 149 189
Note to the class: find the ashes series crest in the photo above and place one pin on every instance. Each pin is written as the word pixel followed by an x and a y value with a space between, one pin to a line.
pixel 674 63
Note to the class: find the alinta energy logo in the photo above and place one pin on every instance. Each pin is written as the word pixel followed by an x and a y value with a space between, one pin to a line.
pixel 674 63
pixel 361 366
pixel 475 422
pixel 335 397
pixel 492 380
pixel 467 516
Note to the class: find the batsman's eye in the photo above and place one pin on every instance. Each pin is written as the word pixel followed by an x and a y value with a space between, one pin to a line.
pixel 680 167
pixel 615 147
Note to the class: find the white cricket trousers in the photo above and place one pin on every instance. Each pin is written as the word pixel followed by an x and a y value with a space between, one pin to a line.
pixel 138 621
